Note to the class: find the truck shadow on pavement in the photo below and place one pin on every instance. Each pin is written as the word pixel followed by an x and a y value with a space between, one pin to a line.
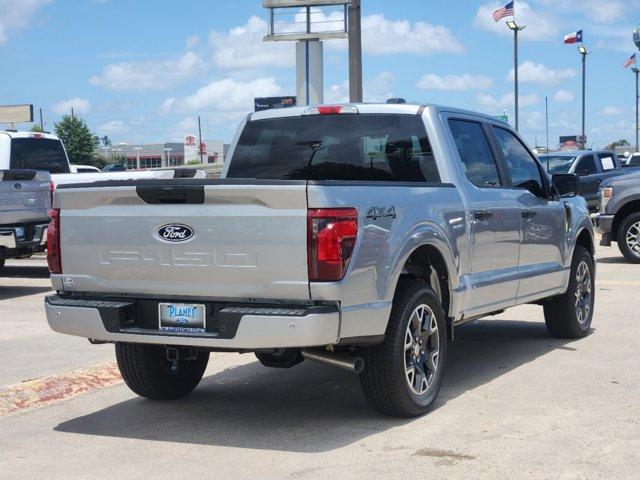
pixel 310 408
pixel 24 272
pixel 7 293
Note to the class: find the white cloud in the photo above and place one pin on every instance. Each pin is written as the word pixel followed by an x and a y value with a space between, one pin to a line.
pixel 541 26
pixel 224 96
pixel 531 72
pixel 16 14
pixel 564 96
pixel 192 41
pixel 243 47
pixel 79 105
pixel 381 36
pixel 113 127
pixel 149 75
pixel 507 100
pixel 599 11
pixel 610 111
pixel 454 82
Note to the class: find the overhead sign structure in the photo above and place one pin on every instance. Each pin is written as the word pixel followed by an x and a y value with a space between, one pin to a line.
pixel 636 36
pixel 16 114
pixel 302 3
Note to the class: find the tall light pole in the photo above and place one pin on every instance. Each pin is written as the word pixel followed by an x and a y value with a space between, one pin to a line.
pixel 584 52
pixel 636 71
pixel 515 28
pixel 355 53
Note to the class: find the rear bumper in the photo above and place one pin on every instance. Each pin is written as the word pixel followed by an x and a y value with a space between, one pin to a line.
pixel 238 327
pixel 34 239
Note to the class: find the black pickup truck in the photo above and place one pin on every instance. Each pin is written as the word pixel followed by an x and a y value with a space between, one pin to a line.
pixel 592 167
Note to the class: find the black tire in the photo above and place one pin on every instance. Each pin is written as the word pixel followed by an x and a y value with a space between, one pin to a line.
pixel 384 380
pixel 561 312
pixel 146 370
pixel 627 227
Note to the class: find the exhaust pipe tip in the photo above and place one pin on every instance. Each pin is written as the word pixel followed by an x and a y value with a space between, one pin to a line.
pixel 345 362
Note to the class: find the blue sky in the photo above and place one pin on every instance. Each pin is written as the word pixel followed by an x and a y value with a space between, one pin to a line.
pixel 143 71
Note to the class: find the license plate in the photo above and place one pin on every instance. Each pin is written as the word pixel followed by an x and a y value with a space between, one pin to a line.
pixel 182 318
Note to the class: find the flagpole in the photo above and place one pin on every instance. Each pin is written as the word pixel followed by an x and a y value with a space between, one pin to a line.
pixel 637 72
pixel 584 52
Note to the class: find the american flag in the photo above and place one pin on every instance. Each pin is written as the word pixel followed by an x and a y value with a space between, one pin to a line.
pixel 507 11
pixel 630 61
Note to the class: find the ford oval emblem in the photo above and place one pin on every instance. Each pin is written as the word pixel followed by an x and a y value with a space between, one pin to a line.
pixel 175 232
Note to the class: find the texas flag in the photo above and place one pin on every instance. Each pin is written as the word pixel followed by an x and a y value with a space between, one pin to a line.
pixel 630 61
pixel 575 37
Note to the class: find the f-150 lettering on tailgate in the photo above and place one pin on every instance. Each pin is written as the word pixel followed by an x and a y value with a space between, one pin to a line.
pixel 180 257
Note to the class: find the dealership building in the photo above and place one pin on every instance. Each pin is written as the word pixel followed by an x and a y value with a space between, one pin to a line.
pixel 172 154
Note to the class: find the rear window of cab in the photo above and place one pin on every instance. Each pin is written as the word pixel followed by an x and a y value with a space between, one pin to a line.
pixel 367 147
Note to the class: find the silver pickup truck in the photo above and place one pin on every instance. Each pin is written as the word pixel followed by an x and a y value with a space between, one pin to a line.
pixel 355 235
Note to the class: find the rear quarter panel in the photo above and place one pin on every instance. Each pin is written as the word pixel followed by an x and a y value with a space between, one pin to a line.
pixel 424 214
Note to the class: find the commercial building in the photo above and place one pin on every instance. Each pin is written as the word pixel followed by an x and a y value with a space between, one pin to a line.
pixel 171 154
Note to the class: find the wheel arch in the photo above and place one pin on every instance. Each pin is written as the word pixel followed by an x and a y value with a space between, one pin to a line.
pixel 626 210
pixel 428 263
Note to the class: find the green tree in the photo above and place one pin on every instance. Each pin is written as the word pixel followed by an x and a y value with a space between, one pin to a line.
pixel 36 128
pixel 106 141
pixel 619 143
pixel 80 142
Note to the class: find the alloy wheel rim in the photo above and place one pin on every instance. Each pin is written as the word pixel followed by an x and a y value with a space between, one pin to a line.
pixel 583 292
pixel 633 238
pixel 421 349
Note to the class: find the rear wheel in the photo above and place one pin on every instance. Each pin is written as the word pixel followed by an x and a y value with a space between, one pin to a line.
pixel 158 372
pixel 629 237
pixel 570 315
pixel 402 375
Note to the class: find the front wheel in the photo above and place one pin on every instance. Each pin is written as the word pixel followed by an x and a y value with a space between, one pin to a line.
pixel 569 315
pixel 402 375
pixel 158 372
pixel 629 237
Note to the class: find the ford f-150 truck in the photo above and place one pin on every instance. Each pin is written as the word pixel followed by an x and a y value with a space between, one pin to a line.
pixel 619 217
pixel 354 235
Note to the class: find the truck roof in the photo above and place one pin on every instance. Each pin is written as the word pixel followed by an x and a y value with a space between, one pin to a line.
pixel 24 134
pixel 397 108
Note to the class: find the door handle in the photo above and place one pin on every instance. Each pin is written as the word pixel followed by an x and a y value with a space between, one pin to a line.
pixel 529 214
pixel 482 215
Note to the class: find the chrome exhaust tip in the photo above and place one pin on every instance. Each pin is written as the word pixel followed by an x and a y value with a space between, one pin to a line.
pixel 345 362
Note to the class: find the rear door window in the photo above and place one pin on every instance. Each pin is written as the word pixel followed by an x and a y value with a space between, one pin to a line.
pixel 586 166
pixel 38 154
pixel 371 147
pixel 475 153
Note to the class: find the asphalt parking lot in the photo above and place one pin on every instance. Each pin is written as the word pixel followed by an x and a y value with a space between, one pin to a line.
pixel 515 404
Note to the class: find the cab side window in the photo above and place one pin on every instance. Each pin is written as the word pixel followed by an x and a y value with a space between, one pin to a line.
pixel 475 153
pixel 586 166
pixel 524 170
pixel 607 162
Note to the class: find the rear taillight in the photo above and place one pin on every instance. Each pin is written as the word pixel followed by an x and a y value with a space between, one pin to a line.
pixel 53 242
pixel 332 234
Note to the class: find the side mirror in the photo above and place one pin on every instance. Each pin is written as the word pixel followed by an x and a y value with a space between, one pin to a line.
pixel 566 185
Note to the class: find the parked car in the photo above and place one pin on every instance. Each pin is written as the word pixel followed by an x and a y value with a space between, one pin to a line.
pixel 619 218
pixel 359 236
pixel 592 167
pixel 114 167
pixel 632 161
pixel 84 169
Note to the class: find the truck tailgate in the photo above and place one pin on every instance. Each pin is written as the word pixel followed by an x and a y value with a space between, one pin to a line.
pixel 25 196
pixel 190 238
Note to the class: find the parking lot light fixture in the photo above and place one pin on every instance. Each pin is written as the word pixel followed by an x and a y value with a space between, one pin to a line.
pixel 515 28
pixel 583 52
